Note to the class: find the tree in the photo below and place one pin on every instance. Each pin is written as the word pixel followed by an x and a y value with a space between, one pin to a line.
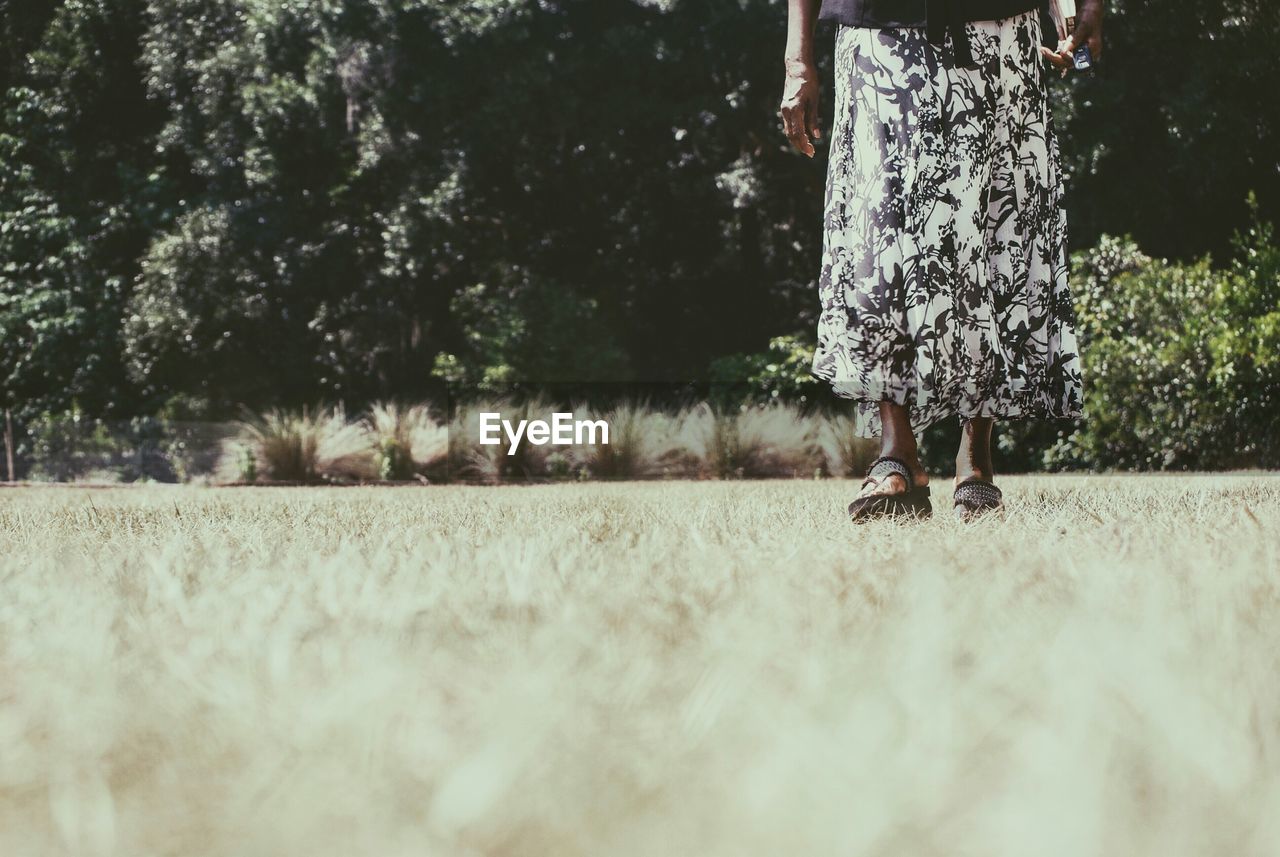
pixel 267 203
pixel 79 198
pixel 1179 125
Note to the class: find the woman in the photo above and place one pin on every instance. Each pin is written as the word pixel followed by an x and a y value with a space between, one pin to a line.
pixel 944 274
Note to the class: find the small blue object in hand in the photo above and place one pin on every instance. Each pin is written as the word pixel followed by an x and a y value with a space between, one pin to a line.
pixel 1083 58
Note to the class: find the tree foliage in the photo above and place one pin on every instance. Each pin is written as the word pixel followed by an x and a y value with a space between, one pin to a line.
pixel 1180 124
pixel 271 203
pixel 1183 360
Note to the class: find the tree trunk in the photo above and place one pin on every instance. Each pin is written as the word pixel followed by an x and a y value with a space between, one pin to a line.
pixel 8 442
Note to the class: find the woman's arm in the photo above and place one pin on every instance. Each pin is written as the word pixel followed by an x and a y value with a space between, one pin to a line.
pixel 800 93
pixel 1088 31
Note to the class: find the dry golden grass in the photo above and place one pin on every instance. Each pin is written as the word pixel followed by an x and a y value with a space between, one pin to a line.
pixel 640 669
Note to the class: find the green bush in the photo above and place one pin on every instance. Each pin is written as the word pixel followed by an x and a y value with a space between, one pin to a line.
pixel 541 332
pixel 779 374
pixel 1181 361
pixel 70 445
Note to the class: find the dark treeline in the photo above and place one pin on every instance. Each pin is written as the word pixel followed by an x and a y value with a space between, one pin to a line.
pixel 205 205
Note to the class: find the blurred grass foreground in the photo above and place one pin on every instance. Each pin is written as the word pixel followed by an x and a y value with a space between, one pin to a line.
pixel 637 669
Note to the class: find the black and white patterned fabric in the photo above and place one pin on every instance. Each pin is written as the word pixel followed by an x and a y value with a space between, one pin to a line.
pixel 944 274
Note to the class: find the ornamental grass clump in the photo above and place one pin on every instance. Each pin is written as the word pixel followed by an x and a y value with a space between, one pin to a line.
pixel 767 442
pixel 637 435
pixel 304 447
pixel 846 454
pixel 469 460
pixel 410 443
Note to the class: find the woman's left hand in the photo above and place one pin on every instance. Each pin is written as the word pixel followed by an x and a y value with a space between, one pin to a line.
pixel 1088 31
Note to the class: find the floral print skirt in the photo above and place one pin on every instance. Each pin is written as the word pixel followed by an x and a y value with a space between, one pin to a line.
pixel 944 273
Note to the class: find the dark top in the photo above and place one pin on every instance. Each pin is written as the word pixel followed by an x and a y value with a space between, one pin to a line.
pixel 917 13
pixel 939 17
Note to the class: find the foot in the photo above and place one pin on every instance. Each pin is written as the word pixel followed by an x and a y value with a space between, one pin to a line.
pixel 893 487
pixel 976 494
pixel 894 483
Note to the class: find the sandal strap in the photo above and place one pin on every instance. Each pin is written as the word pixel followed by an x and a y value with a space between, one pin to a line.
pixel 887 465
pixel 976 491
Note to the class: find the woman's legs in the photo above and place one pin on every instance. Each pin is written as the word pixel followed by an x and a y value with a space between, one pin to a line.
pixel 973 464
pixel 973 459
pixel 898 441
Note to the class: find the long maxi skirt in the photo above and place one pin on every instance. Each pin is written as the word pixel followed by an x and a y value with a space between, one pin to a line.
pixel 944 273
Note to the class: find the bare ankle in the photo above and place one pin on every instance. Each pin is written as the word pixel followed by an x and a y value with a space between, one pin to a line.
pixel 910 456
pixel 970 470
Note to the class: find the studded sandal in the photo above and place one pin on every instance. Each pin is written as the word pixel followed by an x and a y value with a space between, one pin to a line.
pixel 974 497
pixel 914 502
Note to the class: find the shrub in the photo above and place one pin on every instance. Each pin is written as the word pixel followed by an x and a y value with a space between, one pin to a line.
pixel 520 327
pixel 638 436
pixel 1181 363
pixel 470 461
pixel 752 442
pixel 778 375
pixel 72 446
pixel 68 446
pixel 847 454
pixel 409 441
pixel 301 447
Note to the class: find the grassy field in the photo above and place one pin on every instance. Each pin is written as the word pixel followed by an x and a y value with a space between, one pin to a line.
pixel 640 669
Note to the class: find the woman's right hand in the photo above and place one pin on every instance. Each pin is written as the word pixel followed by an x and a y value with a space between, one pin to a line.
pixel 799 111
pixel 1088 32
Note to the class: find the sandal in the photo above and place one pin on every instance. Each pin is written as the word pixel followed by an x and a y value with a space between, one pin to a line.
pixel 913 502
pixel 974 497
